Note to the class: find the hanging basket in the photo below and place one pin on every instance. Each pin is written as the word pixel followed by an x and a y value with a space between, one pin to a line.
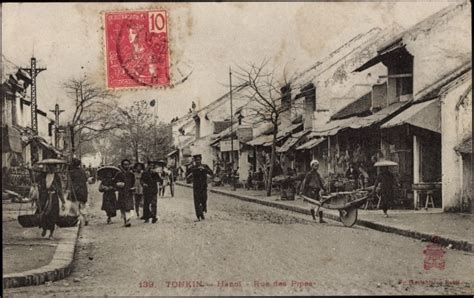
pixel 67 221
pixel 29 220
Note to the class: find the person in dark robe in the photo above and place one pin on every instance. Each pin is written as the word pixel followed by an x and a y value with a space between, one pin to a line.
pixel 312 186
pixel 109 199
pixel 50 192
pixel 150 180
pixel 124 182
pixel 79 188
pixel 198 173
pixel 138 194
pixel 384 185
pixel 249 178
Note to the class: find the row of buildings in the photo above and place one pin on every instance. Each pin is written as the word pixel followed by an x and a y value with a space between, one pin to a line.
pixel 22 145
pixel 402 95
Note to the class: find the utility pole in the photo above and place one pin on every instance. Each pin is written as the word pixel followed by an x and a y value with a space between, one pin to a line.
pixel 34 71
pixel 231 131
pixel 56 112
pixel 154 104
pixel 70 134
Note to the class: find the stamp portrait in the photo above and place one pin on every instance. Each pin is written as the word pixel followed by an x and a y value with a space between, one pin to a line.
pixel 136 49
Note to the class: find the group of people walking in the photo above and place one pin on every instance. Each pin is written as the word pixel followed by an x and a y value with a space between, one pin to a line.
pixel 127 187
pixel 124 189
pixel 134 188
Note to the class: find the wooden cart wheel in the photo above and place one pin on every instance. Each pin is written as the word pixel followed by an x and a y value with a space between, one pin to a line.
pixel 349 217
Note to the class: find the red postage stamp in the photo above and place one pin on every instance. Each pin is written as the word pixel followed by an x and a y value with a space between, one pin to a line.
pixel 136 48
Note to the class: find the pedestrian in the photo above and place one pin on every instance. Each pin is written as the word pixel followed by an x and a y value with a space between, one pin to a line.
pixel 125 181
pixel 109 199
pixel 352 172
pixel 150 180
pixel 138 194
pixel 180 172
pixel 50 192
pixel 312 186
pixel 79 188
pixel 198 172
pixel 384 187
pixel 249 178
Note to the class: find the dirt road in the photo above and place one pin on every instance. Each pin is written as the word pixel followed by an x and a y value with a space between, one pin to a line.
pixel 243 249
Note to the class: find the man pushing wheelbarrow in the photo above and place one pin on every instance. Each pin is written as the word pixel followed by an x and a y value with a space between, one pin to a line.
pixel 346 202
pixel 312 187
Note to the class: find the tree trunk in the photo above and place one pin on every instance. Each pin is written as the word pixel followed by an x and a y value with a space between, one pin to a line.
pixel 272 160
pixel 136 151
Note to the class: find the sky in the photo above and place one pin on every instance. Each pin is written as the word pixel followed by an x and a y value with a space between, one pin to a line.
pixel 205 38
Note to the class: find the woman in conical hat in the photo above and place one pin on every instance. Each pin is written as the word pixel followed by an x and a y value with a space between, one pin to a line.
pixel 50 192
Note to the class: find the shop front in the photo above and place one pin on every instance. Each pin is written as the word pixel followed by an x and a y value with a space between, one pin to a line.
pixel 413 140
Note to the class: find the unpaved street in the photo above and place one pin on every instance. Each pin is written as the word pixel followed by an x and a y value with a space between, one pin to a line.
pixel 243 249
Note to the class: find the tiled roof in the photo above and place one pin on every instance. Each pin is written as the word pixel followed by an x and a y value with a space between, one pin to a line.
pixel 435 89
pixel 358 107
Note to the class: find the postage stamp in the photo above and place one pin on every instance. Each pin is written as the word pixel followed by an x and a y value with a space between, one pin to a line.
pixel 136 49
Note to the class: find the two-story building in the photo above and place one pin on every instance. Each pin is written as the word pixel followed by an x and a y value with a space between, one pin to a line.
pixel 405 104
pixel 19 143
pixel 194 132
pixel 323 89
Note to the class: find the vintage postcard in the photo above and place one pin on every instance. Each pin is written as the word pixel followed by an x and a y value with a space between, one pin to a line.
pixel 237 148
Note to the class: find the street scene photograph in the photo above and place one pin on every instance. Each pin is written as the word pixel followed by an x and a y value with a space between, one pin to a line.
pixel 237 148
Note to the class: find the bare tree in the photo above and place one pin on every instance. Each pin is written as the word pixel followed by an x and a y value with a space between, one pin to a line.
pixel 141 132
pixel 270 97
pixel 93 111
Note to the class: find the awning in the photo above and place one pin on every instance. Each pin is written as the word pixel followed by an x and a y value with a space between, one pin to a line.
pixel 45 144
pixel 172 153
pixel 11 140
pixel 311 144
pixel 291 141
pixel 465 146
pixel 288 130
pixel 261 140
pixel 287 145
pixel 426 115
pixel 330 128
pixel 361 122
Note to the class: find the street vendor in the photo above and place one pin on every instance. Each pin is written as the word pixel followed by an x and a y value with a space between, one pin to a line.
pixel 312 186
pixel 50 193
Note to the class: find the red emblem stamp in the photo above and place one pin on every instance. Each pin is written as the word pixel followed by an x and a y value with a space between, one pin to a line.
pixel 434 255
pixel 136 48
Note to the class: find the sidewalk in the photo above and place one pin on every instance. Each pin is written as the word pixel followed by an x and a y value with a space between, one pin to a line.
pixel 30 259
pixel 452 229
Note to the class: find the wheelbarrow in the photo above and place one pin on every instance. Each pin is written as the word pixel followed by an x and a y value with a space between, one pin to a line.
pixel 346 203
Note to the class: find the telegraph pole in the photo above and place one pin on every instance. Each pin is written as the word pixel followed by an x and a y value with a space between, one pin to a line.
pixel 56 112
pixel 34 71
pixel 231 131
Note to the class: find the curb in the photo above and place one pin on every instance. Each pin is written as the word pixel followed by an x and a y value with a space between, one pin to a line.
pixel 456 244
pixel 59 267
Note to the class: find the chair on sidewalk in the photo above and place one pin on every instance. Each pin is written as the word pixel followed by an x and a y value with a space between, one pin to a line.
pixel 429 199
